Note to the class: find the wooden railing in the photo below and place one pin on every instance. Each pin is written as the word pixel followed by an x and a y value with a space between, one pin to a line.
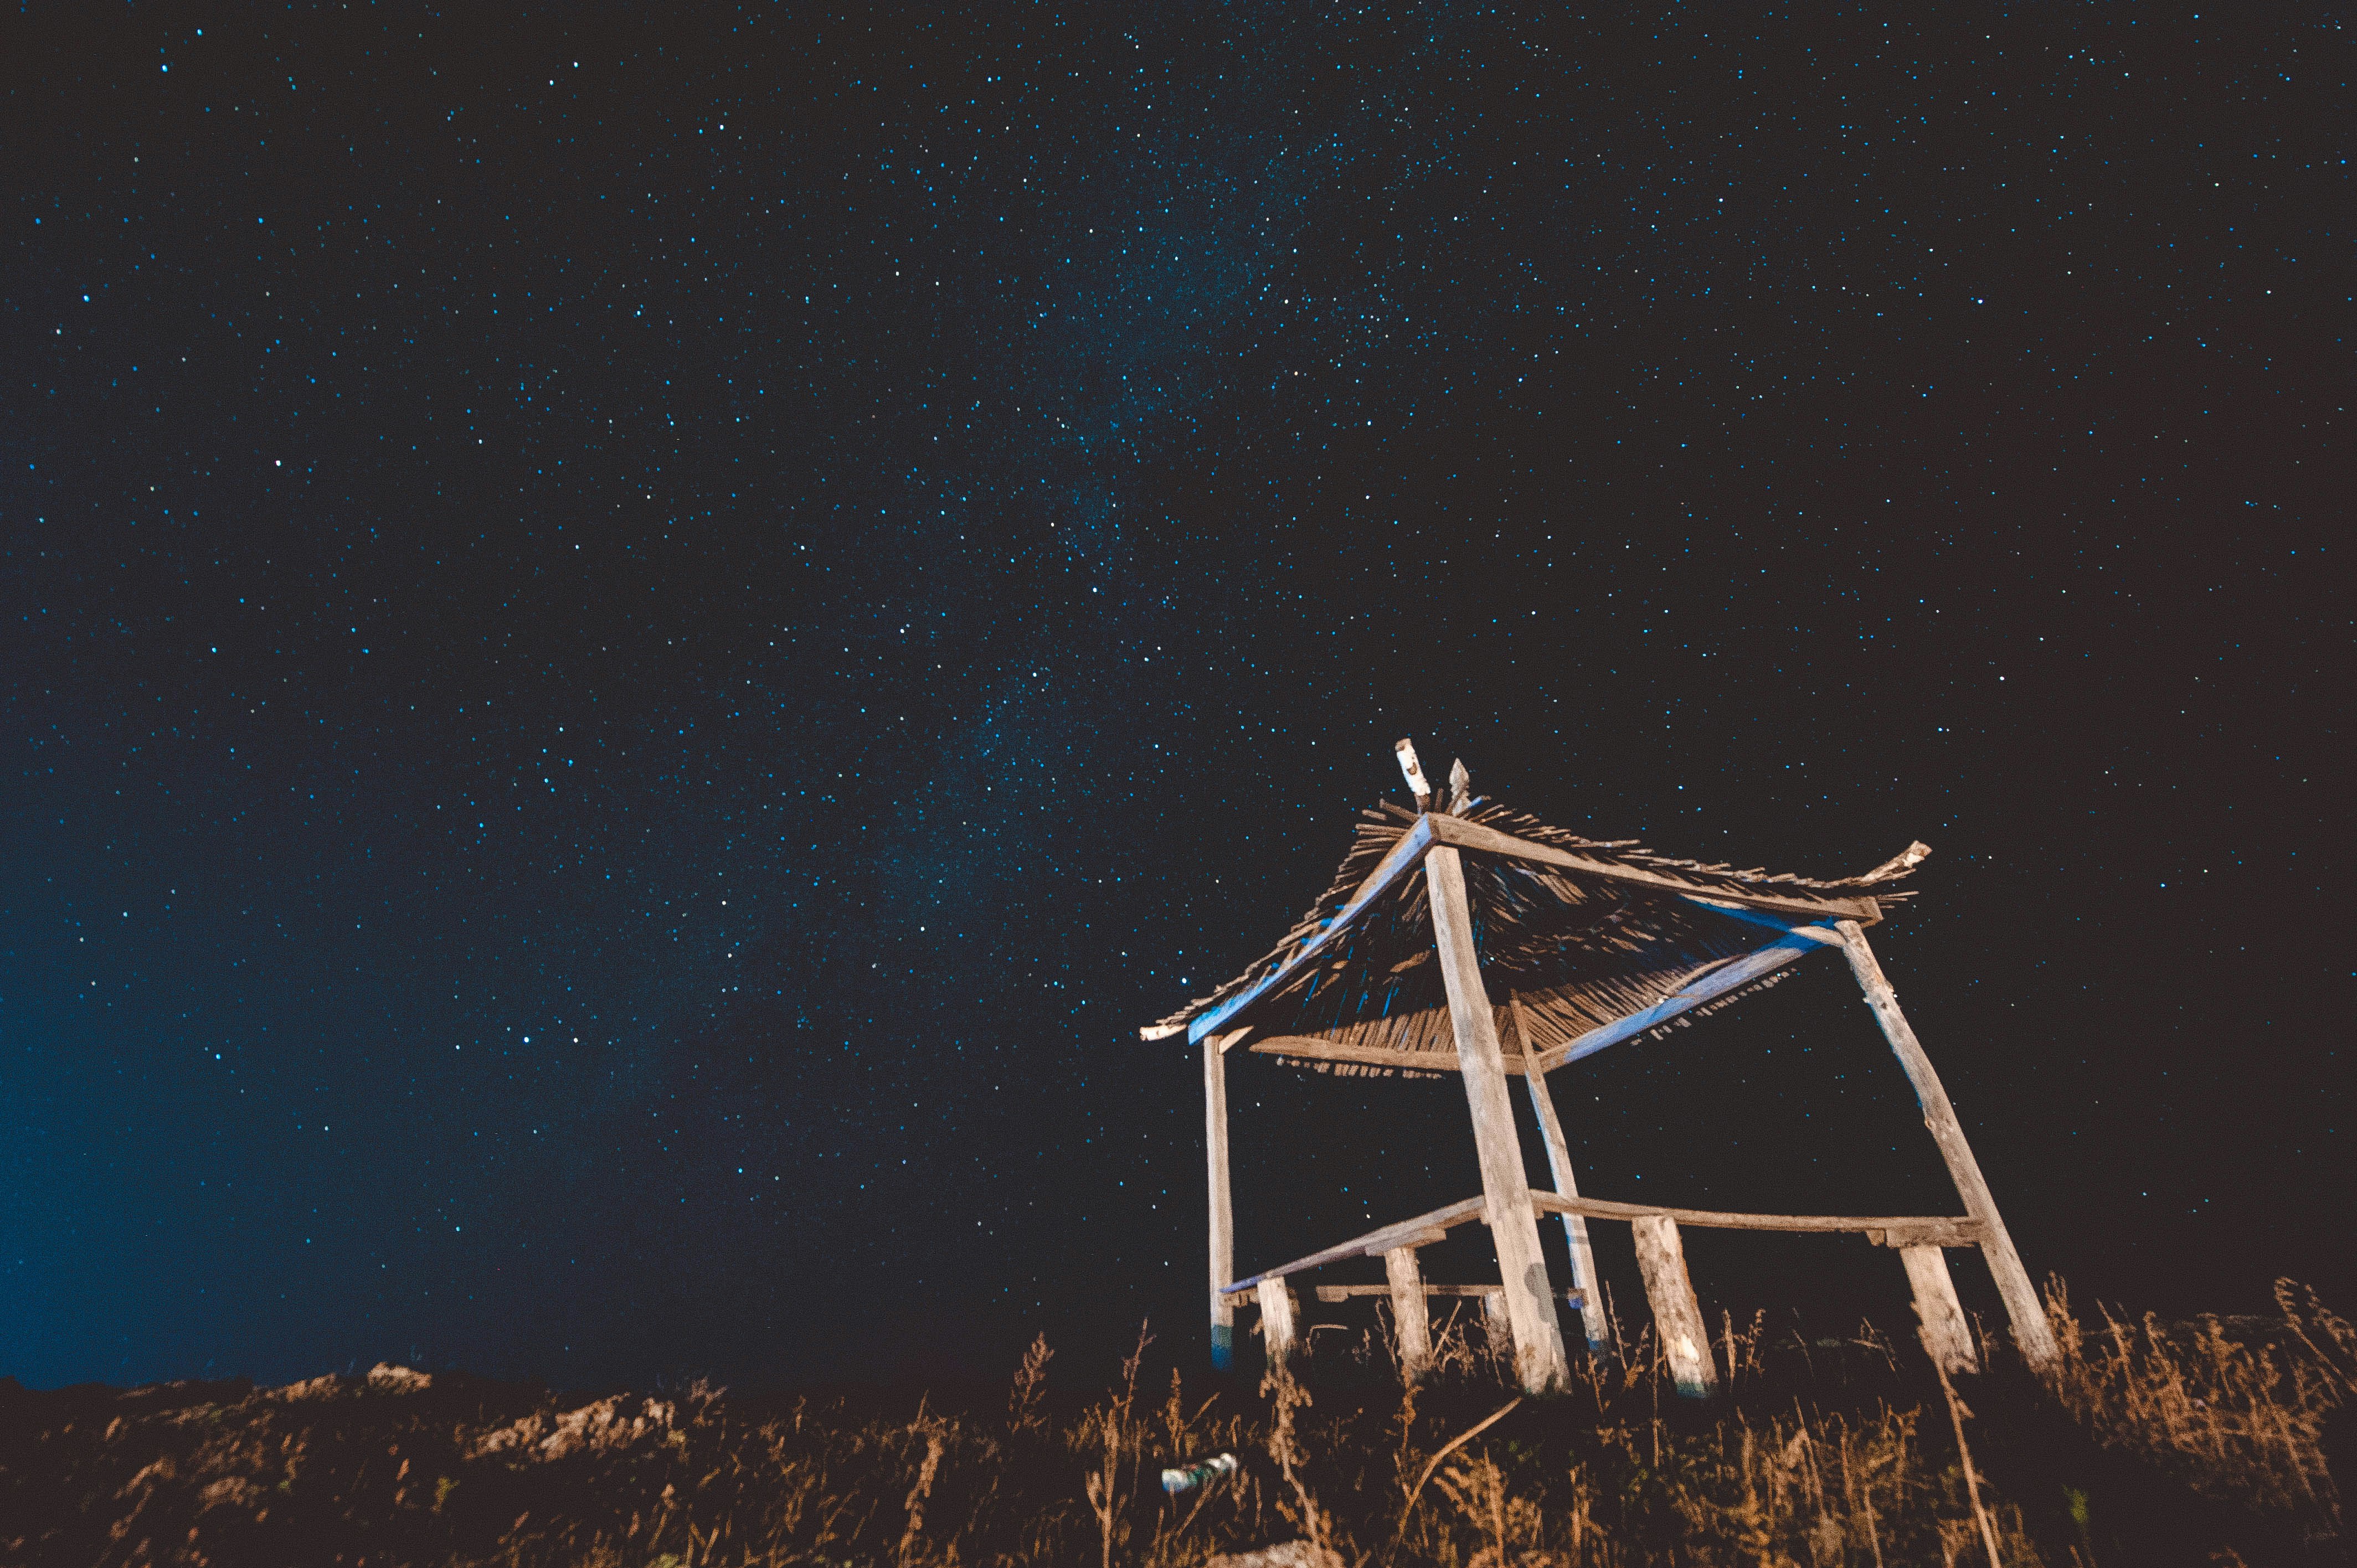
pixel 1884 1230
pixel 1661 1257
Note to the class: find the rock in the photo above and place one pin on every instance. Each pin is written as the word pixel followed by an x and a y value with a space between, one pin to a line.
pixel 606 1424
pixel 385 1378
pixel 1284 1554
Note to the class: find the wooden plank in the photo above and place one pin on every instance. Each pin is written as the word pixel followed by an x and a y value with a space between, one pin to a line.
pixel 1716 1219
pixel 1574 1226
pixel 1939 1316
pixel 1463 835
pixel 1223 1207
pixel 1934 1233
pixel 1417 1232
pixel 1345 1292
pixel 1278 1331
pixel 1539 1361
pixel 1389 873
pixel 1411 1320
pixel 1677 1316
pixel 1796 943
pixel 2030 1331
pixel 1308 1048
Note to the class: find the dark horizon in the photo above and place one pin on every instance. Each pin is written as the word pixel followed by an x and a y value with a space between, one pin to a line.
pixel 637 648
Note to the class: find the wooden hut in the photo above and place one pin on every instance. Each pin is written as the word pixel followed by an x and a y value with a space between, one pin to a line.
pixel 1468 938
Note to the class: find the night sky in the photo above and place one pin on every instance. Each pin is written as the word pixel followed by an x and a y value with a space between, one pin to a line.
pixel 637 645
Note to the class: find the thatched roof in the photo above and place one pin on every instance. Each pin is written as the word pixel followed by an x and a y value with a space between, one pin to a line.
pixel 1575 946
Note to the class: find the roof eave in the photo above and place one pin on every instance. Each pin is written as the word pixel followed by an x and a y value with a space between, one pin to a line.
pixel 1781 910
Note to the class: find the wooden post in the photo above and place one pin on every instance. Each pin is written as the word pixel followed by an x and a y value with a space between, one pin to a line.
pixel 1946 1336
pixel 1677 1316
pixel 1411 1319
pixel 2021 1304
pixel 1223 1216
pixel 1539 1362
pixel 1496 1321
pixel 1277 1326
pixel 1574 1226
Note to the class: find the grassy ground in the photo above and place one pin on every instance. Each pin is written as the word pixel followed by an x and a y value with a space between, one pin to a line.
pixel 2153 1444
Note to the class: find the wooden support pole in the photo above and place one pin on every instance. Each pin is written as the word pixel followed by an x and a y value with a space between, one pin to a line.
pixel 1539 1362
pixel 1677 1316
pixel 1940 1317
pixel 1276 1322
pixel 1574 1226
pixel 1223 1216
pixel 1411 1319
pixel 1496 1320
pixel 2031 1332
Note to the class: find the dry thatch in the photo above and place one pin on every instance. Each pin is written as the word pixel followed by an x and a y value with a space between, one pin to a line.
pixel 1575 953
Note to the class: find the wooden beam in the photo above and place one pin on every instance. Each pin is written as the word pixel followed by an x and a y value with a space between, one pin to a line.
pixel 1418 1231
pixel 1387 875
pixel 1574 1226
pixel 1345 1292
pixel 1716 1219
pixel 1539 1361
pixel 2030 1331
pixel 1939 1316
pixel 1411 1321
pixel 1677 1316
pixel 1425 1229
pixel 1223 1207
pixel 1463 835
pixel 1929 1233
pixel 1797 942
pixel 1308 1048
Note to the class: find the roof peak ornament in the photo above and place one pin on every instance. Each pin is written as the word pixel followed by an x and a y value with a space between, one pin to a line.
pixel 1413 771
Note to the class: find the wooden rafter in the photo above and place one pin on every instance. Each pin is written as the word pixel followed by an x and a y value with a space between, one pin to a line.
pixel 1798 941
pixel 1405 856
pixel 1734 975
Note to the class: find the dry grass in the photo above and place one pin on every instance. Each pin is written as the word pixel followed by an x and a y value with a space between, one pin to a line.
pixel 2236 1412
pixel 2201 1442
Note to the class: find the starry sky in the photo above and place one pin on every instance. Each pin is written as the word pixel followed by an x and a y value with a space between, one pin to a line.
pixel 637 642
